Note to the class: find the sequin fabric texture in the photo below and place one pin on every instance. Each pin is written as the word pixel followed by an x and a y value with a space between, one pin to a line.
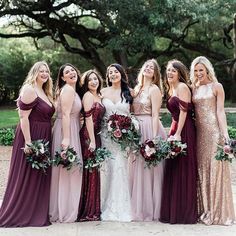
pixel 215 200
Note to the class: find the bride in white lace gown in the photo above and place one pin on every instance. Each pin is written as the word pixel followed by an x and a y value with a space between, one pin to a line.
pixel 115 193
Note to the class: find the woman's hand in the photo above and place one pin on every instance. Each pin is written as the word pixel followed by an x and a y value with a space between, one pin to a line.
pixel 175 137
pixel 92 146
pixel 27 149
pixel 65 144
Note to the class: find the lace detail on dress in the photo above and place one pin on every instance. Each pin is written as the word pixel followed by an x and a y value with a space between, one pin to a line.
pixel 115 195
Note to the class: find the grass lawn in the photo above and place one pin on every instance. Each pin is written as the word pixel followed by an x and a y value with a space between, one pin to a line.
pixel 8 117
pixel 166 119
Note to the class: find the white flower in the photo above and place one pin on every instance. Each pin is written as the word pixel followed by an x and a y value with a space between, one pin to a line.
pixel 71 158
pixel 123 131
pixel 109 126
pixel 149 151
pixel 135 123
pixel 41 148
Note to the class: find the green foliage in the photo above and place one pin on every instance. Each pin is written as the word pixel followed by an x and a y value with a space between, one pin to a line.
pixel 7 136
pixel 97 158
pixel 8 118
pixel 232 132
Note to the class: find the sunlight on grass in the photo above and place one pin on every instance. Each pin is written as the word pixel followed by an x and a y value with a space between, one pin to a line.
pixel 8 118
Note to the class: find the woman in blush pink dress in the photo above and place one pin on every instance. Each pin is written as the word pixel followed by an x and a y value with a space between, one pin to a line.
pixel 66 184
pixel 146 184
pixel 89 209
pixel 26 200
pixel 179 194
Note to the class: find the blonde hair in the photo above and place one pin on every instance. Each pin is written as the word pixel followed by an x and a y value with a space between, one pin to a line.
pixel 32 77
pixel 156 76
pixel 209 68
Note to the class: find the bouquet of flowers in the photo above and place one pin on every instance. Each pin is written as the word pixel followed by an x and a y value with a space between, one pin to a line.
pixel 67 158
pixel 226 152
pixel 156 150
pixel 177 148
pixel 38 156
pixel 124 130
pixel 97 158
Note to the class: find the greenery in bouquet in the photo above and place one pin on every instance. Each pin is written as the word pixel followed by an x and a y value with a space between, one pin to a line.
pixel 38 156
pixel 226 152
pixel 67 158
pixel 176 148
pixel 156 150
pixel 96 158
pixel 125 131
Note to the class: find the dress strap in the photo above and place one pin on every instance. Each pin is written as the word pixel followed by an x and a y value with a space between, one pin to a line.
pixel 26 106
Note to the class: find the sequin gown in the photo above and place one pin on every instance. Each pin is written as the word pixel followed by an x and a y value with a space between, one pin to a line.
pixel 26 200
pixel 145 183
pixel 66 184
pixel 179 194
pixel 215 202
pixel 89 209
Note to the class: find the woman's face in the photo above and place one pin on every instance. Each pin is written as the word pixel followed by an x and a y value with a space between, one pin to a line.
pixel 70 75
pixel 200 73
pixel 114 75
pixel 93 82
pixel 172 74
pixel 43 75
pixel 148 70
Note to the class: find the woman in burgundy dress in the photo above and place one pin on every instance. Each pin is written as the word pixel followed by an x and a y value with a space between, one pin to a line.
pixel 179 196
pixel 26 199
pixel 89 209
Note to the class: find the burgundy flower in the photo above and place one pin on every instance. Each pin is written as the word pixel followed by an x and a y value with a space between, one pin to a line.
pixel 227 149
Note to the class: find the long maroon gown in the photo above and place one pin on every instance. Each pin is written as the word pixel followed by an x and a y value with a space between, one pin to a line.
pixel 179 194
pixel 89 209
pixel 26 200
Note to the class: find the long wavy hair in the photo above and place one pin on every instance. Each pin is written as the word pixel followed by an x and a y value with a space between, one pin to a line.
pixel 183 74
pixel 156 76
pixel 209 68
pixel 32 77
pixel 125 92
pixel 60 82
pixel 85 80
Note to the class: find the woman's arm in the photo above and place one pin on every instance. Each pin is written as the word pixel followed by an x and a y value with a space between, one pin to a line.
pixel 156 100
pixel 27 95
pixel 184 94
pixel 67 97
pixel 88 101
pixel 220 111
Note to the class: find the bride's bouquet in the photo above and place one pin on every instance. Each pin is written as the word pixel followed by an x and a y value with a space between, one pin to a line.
pixel 226 152
pixel 67 158
pixel 156 150
pixel 38 155
pixel 124 130
pixel 96 158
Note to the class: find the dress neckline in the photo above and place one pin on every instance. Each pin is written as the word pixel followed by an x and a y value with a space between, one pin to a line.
pixel 114 103
pixel 45 102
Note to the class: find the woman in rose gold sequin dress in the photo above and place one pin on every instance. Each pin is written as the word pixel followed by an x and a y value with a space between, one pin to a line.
pixel 215 201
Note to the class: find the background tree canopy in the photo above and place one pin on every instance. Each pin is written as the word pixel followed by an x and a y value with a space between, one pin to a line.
pixel 125 31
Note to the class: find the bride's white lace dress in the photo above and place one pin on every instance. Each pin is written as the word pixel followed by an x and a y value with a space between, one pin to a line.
pixel 115 193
